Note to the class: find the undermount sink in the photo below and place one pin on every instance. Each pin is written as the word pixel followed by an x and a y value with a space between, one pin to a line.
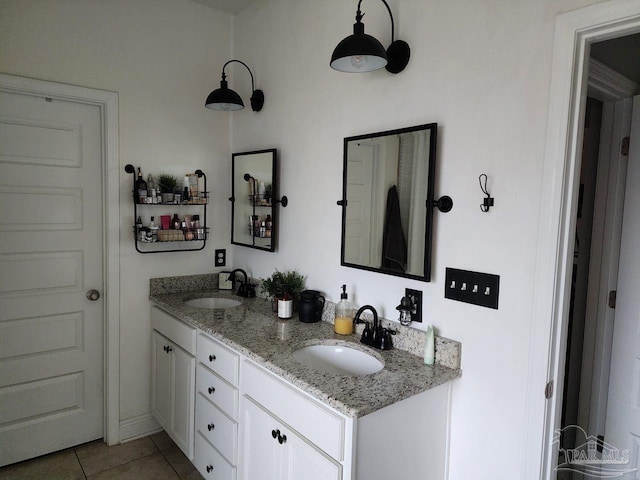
pixel 213 302
pixel 338 359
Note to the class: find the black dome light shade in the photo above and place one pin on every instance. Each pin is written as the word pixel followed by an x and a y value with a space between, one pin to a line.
pixel 225 99
pixel 363 53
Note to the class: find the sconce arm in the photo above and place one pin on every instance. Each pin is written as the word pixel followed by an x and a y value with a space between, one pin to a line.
pixel 359 16
pixel 245 65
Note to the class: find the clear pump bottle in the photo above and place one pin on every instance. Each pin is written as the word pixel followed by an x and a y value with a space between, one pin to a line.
pixel 343 322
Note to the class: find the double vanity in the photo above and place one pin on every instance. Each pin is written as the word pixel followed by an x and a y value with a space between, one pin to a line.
pixel 248 396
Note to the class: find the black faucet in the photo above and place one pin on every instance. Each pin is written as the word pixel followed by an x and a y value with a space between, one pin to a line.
pixel 374 336
pixel 245 289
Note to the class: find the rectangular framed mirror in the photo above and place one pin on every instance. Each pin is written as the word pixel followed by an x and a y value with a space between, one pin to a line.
pixel 253 218
pixel 387 199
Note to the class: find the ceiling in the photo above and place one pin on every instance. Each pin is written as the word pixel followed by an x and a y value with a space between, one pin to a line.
pixel 229 6
pixel 621 54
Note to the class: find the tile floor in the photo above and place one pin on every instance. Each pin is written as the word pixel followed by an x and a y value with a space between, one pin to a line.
pixel 154 458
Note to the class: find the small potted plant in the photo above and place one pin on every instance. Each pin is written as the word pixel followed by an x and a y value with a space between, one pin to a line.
pixel 167 184
pixel 279 283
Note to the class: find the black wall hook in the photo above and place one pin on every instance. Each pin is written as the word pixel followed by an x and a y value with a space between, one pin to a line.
pixel 488 201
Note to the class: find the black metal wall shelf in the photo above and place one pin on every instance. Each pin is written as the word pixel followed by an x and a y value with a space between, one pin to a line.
pixel 171 239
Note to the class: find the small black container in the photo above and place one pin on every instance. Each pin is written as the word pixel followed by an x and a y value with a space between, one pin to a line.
pixel 310 306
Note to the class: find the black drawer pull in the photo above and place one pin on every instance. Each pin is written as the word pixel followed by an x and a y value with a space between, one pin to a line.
pixel 211 426
pixel 211 390
pixel 212 358
pixel 275 433
pixel 209 469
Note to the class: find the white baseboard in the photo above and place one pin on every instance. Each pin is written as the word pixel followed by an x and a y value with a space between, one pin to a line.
pixel 136 427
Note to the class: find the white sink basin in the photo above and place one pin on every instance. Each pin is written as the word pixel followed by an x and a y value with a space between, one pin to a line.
pixel 213 302
pixel 338 359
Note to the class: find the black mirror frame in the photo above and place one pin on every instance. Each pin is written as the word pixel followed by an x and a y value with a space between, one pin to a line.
pixel 274 201
pixel 433 128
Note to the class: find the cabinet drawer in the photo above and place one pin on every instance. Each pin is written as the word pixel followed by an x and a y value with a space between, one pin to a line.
pixel 177 331
pixel 321 426
pixel 210 463
pixel 218 358
pixel 217 428
pixel 214 388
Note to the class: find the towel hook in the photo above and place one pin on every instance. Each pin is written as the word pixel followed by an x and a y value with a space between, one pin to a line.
pixel 487 202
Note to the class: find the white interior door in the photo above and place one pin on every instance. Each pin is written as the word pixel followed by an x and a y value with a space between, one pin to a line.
pixel 357 241
pixel 51 334
pixel 622 429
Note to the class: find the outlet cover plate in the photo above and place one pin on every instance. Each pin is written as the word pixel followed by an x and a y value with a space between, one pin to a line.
pixel 472 287
pixel 220 257
pixel 416 299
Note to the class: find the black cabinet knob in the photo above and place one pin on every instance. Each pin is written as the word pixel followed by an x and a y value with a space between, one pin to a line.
pixel 275 433
pixel 211 426
pixel 212 358
pixel 282 439
pixel 211 390
pixel 209 468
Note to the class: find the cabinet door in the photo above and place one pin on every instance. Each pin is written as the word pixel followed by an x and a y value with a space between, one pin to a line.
pixel 272 451
pixel 161 380
pixel 261 454
pixel 303 460
pixel 183 373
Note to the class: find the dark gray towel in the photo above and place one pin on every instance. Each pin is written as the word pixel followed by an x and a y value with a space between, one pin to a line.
pixel 394 245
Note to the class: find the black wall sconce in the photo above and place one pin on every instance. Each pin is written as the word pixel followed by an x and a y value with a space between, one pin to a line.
pixel 363 53
pixel 225 99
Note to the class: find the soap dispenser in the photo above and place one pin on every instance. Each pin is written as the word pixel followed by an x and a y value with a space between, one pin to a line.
pixel 343 322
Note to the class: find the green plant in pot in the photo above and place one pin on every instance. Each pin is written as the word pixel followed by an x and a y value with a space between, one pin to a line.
pixel 167 184
pixel 278 283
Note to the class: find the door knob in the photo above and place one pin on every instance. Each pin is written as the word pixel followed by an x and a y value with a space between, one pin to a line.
pixel 93 294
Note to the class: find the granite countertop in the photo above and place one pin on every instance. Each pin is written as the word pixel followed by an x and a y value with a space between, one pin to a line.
pixel 253 330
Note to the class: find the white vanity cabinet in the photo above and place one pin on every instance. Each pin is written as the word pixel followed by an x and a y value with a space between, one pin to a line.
pixel 285 434
pixel 173 377
pixel 236 420
pixel 217 401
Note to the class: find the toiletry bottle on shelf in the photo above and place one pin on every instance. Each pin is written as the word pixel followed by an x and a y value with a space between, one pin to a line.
pixel 140 187
pixel 175 222
pixel 343 322
pixel 154 229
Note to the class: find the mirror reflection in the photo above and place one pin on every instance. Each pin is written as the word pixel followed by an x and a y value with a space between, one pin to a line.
pixel 253 187
pixel 388 183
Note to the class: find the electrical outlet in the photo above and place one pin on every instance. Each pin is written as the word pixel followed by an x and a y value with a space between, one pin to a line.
pixel 472 287
pixel 416 303
pixel 221 257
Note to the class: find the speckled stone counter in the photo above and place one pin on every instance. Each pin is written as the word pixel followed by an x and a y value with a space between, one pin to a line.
pixel 253 330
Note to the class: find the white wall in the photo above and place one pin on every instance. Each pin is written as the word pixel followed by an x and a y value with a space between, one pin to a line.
pixel 162 57
pixel 481 70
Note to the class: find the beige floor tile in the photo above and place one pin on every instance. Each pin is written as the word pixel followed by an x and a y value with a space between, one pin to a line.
pixel 62 465
pixel 163 441
pixel 181 464
pixel 151 467
pixel 97 456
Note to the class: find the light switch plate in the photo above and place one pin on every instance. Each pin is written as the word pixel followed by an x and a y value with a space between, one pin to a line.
pixel 472 287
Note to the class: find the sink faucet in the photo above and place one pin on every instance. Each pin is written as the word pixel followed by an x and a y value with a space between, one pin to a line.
pixel 375 336
pixel 245 289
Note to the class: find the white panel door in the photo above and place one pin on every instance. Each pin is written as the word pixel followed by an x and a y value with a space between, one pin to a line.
pixel 51 334
pixel 357 239
pixel 622 429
